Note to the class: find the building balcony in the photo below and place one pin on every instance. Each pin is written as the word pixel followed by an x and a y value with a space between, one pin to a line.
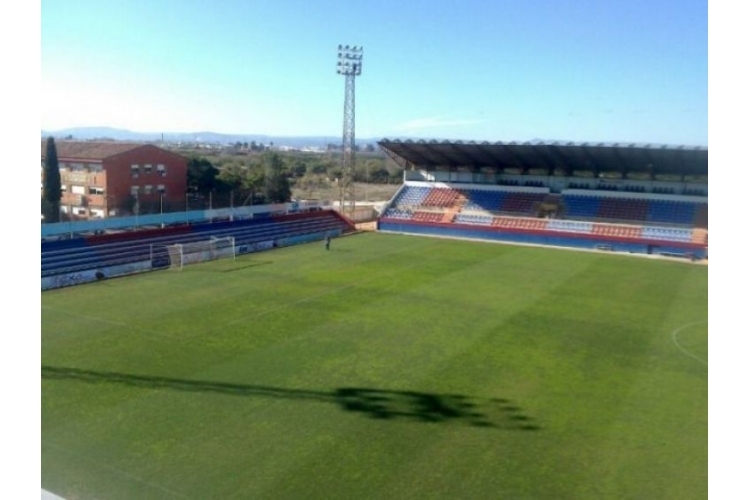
pixel 75 200
pixel 82 200
pixel 84 178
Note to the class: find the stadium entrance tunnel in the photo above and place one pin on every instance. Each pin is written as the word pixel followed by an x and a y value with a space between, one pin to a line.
pixel 381 404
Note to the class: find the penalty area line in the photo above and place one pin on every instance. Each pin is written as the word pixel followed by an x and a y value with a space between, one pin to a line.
pixel 685 351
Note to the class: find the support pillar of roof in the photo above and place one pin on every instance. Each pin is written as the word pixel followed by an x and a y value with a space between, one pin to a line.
pixel 593 164
pixel 620 161
pixel 650 164
pixel 524 166
pixel 554 149
pixel 500 168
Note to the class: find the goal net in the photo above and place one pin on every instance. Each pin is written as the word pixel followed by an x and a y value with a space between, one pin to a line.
pixel 183 254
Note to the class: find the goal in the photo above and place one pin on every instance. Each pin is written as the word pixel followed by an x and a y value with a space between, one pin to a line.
pixel 182 254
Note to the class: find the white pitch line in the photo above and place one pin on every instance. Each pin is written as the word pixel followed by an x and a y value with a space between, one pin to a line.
pixel 115 470
pixel 685 351
pixel 110 322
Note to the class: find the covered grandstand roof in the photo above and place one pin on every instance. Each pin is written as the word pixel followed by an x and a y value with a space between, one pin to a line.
pixel 653 159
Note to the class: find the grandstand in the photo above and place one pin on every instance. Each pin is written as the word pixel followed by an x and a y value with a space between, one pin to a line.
pixel 629 198
pixel 78 260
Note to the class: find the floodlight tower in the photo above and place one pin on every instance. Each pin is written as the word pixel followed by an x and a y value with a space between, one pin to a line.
pixel 349 65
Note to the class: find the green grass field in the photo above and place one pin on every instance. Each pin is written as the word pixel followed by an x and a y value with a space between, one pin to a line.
pixel 391 367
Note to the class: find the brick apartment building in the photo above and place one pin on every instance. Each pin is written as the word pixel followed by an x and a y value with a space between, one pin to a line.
pixel 103 179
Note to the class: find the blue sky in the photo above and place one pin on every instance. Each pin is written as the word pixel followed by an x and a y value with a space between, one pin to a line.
pixel 579 70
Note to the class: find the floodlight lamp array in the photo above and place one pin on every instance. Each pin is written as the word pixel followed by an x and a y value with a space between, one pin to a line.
pixel 350 60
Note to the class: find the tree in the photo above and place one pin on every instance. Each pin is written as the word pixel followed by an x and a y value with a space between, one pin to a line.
pixel 230 178
pixel 299 168
pixel 201 175
pixel 51 187
pixel 335 173
pixel 310 183
pixel 363 169
pixel 253 183
pixel 318 168
pixel 379 175
pixel 276 188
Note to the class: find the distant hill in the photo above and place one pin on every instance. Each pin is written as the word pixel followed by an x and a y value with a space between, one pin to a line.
pixel 90 133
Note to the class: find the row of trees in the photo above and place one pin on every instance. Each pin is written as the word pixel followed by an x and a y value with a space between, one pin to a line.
pixel 372 168
pixel 263 178
pixel 267 182
pixel 252 146
pixel 269 177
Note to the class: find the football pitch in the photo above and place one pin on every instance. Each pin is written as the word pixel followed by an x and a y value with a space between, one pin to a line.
pixel 390 367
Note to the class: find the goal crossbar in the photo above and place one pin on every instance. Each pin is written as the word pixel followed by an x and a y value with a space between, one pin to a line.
pixel 182 254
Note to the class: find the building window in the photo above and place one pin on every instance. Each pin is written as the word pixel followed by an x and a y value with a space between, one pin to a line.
pixel 147 189
pixel 94 167
pixel 63 188
pixel 134 190
pixel 162 170
pixel 96 190
pixel 147 168
pixel 161 189
pixel 134 171
pixel 78 189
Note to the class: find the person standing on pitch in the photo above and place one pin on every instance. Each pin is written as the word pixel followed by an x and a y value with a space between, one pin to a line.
pixel 328 241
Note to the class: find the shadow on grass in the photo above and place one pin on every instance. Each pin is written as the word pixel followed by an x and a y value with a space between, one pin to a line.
pixel 228 267
pixel 378 404
pixel 247 266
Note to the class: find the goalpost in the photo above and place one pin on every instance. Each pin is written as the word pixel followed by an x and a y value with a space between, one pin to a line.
pixel 182 254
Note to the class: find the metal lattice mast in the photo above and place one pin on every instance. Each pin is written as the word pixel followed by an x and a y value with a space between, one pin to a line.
pixel 349 65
